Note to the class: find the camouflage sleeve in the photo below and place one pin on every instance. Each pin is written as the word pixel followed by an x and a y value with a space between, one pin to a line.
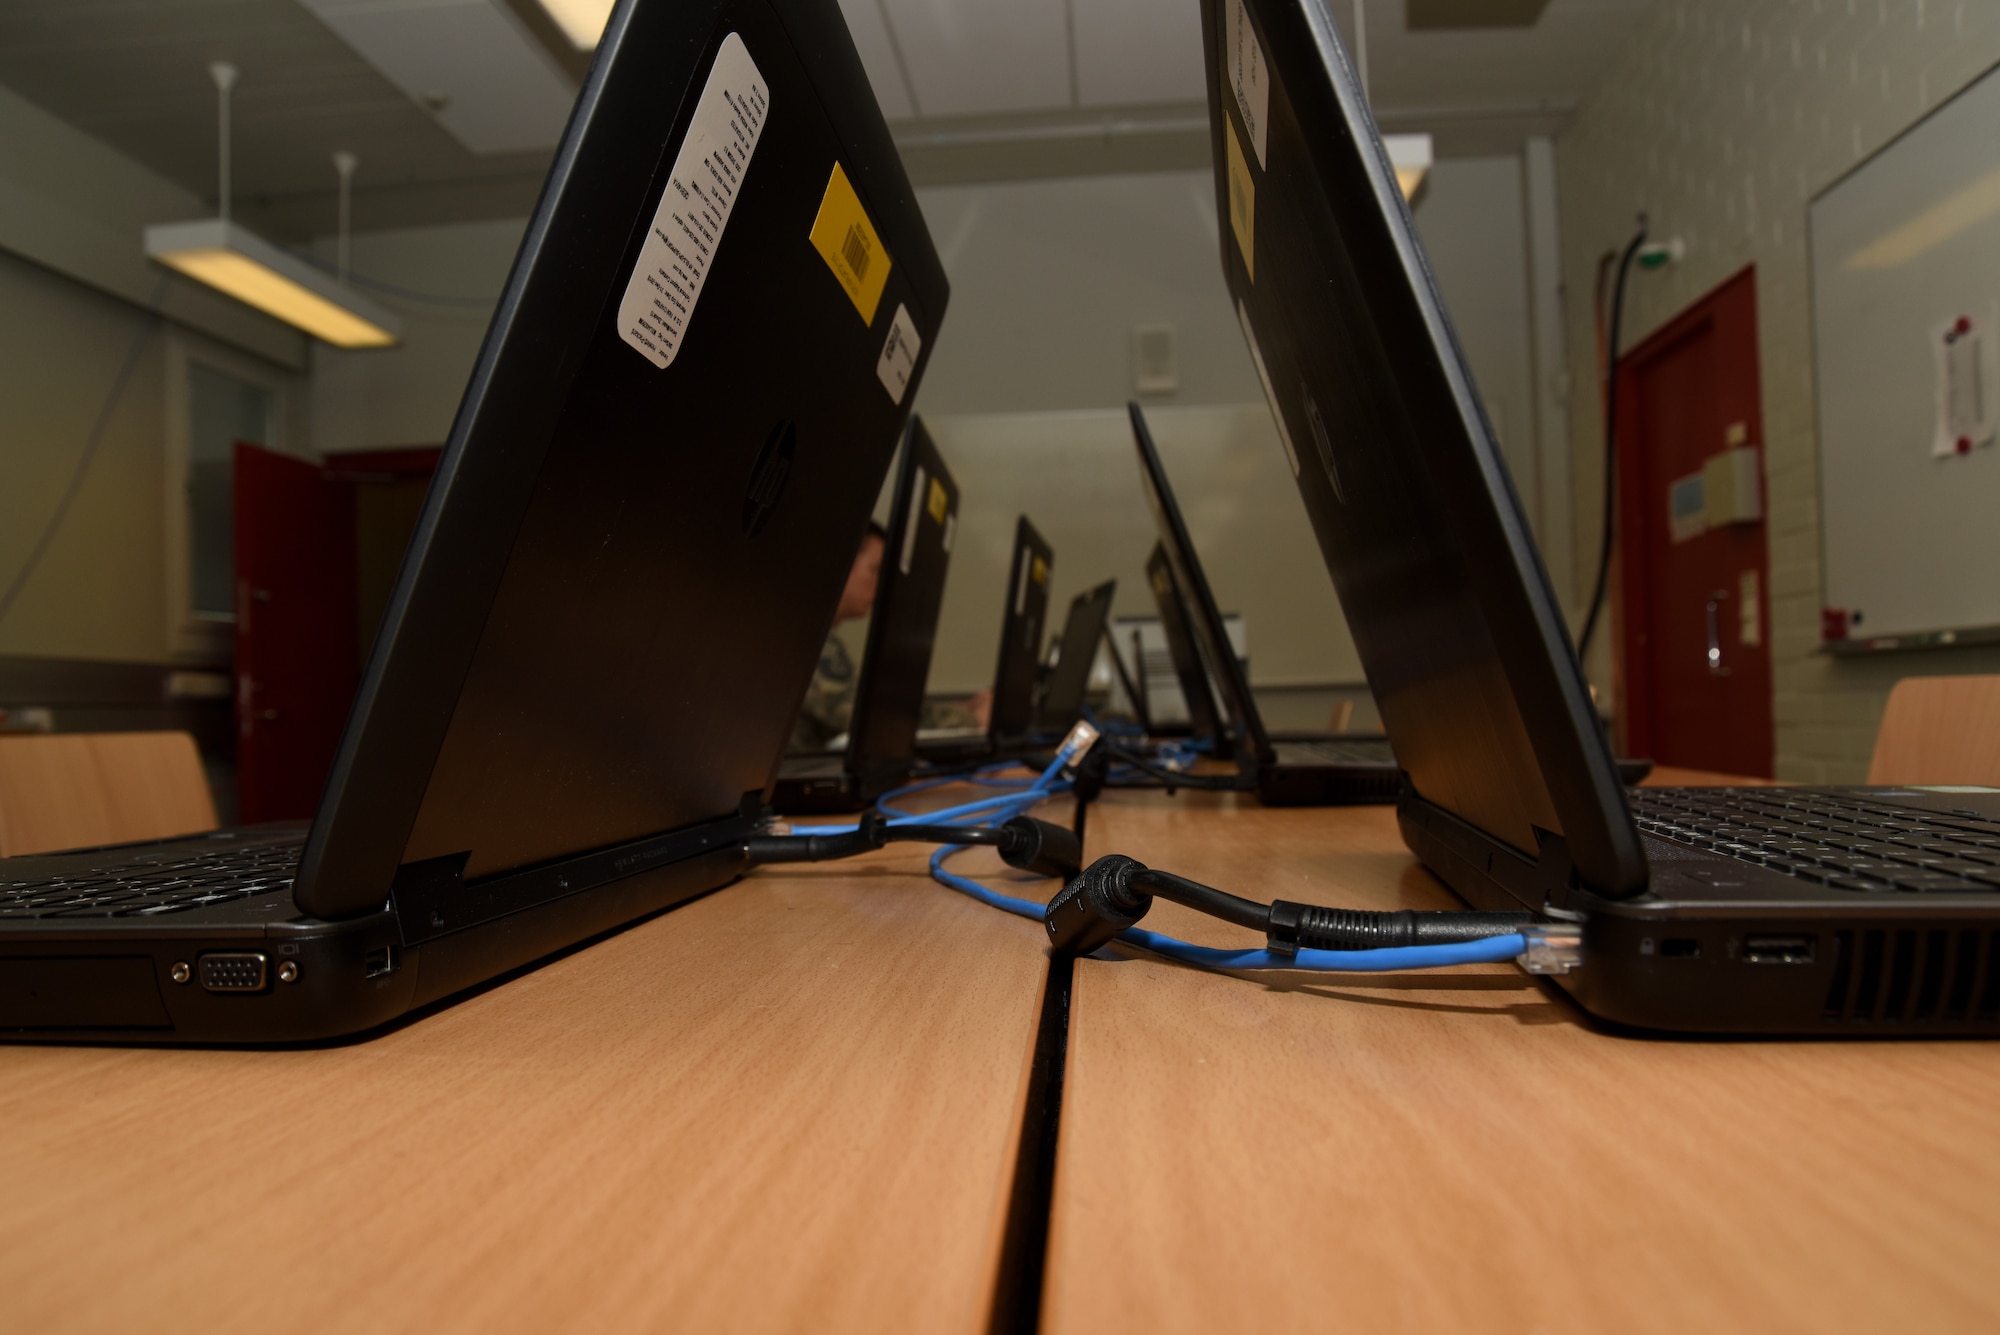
pixel 948 713
pixel 829 702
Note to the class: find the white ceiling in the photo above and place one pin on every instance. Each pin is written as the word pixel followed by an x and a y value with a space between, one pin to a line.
pixel 933 59
pixel 471 63
pixel 454 105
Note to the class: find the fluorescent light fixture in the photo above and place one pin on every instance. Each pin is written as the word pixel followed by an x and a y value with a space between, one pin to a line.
pixel 1939 223
pixel 1410 155
pixel 582 21
pixel 256 273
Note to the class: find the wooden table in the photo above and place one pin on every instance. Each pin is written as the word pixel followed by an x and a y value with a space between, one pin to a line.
pixel 1458 1151
pixel 792 1105
pixel 796 1104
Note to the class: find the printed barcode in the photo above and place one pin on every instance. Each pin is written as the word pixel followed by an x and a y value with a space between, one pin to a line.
pixel 855 251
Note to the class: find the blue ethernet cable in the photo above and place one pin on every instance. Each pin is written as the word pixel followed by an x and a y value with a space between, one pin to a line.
pixel 1499 945
pixel 1489 950
pixel 1046 784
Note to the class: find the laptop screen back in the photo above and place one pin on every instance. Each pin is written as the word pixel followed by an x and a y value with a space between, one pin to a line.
pixel 1189 672
pixel 1062 702
pixel 1204 615
pixel 923 520
pixel 1021 632
pixel 677 426
pixel 1438 575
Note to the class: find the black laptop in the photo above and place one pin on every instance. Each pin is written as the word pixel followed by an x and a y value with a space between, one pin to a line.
pixel 1749 910
pixel 1329 772
pixel 1016 677
pixel 889 697
pixel 1204 720
pixel 1061 704
pixel 683 411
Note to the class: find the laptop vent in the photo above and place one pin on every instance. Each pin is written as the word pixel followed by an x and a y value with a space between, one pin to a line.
pixel 1914 976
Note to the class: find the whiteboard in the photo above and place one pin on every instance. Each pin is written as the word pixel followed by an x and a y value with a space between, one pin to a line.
pixel 1905 251
pixel 1076 476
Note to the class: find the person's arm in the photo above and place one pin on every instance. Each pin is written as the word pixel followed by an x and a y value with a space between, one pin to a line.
pixel 975 711
pixel 829 704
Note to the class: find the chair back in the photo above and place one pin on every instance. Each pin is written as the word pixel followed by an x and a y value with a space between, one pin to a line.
pixel 1940 730
pixel 77 790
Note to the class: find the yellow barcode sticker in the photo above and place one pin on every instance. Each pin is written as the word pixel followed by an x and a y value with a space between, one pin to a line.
pixel 939 499
pixel 1242 204
pixel 846 240
pixel 1039 571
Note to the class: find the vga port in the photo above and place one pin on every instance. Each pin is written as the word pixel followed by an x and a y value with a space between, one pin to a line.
pixel 234 971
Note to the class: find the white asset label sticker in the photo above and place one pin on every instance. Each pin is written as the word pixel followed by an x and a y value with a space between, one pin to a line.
pixel 680 246
pixel 1248 76
pixel 899 354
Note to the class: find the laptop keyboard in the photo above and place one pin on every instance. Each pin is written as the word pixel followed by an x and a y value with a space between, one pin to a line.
pixel 145 890
pixel 1841 840
pixel 1370 751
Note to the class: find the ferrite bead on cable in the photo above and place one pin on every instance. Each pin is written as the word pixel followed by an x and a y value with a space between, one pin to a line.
pixel 1296 927
pixel 1099 904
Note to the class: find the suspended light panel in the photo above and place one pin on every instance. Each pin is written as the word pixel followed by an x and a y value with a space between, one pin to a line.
pixel 582 21
pixel 1410 155
pixel 234 261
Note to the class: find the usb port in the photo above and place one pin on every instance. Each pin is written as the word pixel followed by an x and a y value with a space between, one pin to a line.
pixel 1777 950
pixel 381 960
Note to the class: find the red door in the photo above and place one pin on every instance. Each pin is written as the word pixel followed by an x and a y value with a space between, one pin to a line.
pixel 1695 628
pixel 297 661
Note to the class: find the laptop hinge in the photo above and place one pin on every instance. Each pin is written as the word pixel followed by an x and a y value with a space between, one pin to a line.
pixel 1488 872
pixel 1555 868
pixel 432 897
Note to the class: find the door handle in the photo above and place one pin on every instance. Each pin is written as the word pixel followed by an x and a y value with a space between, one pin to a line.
pixel 1715 668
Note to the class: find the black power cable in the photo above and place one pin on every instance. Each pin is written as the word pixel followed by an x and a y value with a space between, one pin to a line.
pixel 1086 784
pixel 1173 778
pixel 1093 776
pixel 1610 442
pixel 1114 892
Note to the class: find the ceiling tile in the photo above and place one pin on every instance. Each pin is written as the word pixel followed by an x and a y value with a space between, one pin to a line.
pixel 468 60
pixel 981 57
pixel 1424 14
pixel 1131 52
pixel 878 57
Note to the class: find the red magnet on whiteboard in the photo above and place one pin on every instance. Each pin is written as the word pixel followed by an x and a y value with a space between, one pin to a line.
pixel 1965 444
pixel 1964 325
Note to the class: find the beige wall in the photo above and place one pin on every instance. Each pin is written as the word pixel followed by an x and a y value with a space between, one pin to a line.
pixel 443 283
pixel 74 288
pixel 1473 222
pixel 1033 366
pixel 1076 476
pixel 1049 279
pixel 1721 120
pixel 78 207
pixel 98 593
